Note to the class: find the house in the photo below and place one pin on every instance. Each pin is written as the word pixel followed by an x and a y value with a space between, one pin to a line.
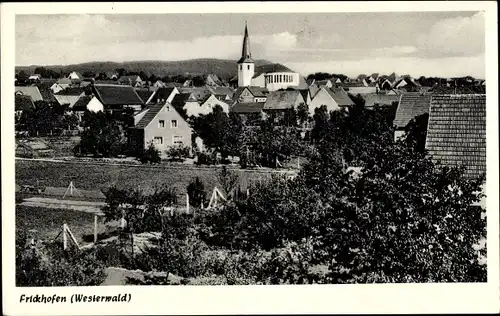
pixel 407 83
pixel 250 94
pixel 305 96
pixel 117 97
pixel 313 89
pixel 56 87
pixel 324 83
pixel 163 95
pixel 22 103
pixel 162 125
pixel 159 84
pixel 87 102
pixel 229 92
pixel 200 93
pixel 69 96
pixel 75 76
pixel 385 84
pixel 207 106
pixel 31 91
pixel 35 78
pixel 188 83
pixel 134 81
pixel 410 106
pixel 249 111
pixel 333 98
pixel 280 101
pixel 64 83
pixel 146 95
pixel 373 77
pixel 373 99
pixel 212 80
pixel 456 133
pixel 46 92
pixel 112 75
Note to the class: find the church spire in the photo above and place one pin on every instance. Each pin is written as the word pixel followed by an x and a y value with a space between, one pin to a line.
pixel 246 56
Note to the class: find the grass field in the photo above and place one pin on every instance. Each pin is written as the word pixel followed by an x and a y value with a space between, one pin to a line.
pixel 48 222
pixel 88 176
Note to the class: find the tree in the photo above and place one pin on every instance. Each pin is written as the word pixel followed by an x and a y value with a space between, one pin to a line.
pixel 320 122
pixel 416 132
pixel 196 192
pixel 303 113
pixel 178 152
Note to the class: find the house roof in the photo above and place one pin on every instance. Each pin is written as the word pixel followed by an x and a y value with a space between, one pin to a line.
pixel 255 91
pixel 23 102
pixel 48 81
pixel 222 90
pixel 106 81
pixel 71 91
pixel 215 79
pixel 64 81
pixel 117 95
pixel 281 100
pixel 180 99
pixel 304 93
pixel 410 106
pixel 246 108
pixel 380 99
pixel 200 93
pixel 340 96
pixel 32 91
pixel 456 133
pixel 128 78
pixel 144 94
pixel 81 104
pixel 163 93
pixel 313 90
pixel 44 88
pixel 151 112
pixel 350 84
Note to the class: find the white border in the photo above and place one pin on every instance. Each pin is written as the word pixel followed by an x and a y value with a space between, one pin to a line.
pixel 384 298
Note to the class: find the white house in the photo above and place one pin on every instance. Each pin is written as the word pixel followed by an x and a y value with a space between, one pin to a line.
pixel 75 76
pixel 333 98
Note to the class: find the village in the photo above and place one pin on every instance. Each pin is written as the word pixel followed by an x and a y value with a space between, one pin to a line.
pixel 97 148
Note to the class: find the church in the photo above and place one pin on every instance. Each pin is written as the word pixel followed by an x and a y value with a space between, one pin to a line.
pixel 271 77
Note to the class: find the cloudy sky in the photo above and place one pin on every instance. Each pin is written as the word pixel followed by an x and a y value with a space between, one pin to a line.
pixel 417 43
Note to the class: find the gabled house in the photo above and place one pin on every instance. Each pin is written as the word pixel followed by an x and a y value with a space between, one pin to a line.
pixel 333 98
pixel 87 102
pixel 31 91
pixel 229 92
pixel 200 93
pixel 212 80
pixel 207 106
pixel 410 106
pixel 35 78
pixel 75 76
pixel 64 83
pixel 159 84
pixel 456 133
pixel 55 88
pixel 163 95
pixel 146 95
pixel 407 83
pixel 249 112
pixel 133 81
pixel 183 101
pixel 280 101
pixel 250 94
pixel 22 103
pixel 386 84
pixel 117 97
pixel 373 77
pixel 162 125
pixel 69 96
pixel 46 92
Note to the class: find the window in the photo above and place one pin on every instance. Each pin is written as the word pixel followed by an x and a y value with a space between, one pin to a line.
pixel 177 140
pixel 161 124
pixel 241 67
pixel 248 67
pixel 173 124
pixel 158 141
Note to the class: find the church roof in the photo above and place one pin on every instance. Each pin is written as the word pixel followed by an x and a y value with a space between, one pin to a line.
pixel 246 55
pixel 271 68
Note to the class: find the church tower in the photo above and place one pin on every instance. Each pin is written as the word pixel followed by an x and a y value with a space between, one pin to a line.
pixel 246 66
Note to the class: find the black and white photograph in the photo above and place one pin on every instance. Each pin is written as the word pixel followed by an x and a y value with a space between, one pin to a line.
pixel 230 149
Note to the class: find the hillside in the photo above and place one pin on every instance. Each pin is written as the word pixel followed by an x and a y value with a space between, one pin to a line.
pixel 221 67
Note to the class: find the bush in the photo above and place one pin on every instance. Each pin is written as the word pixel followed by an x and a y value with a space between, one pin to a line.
pixel 205 159
pixel 178 152
pixel 196 192
pixel 150 155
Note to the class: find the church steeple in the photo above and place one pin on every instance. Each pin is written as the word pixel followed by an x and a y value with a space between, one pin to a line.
pixel 246 56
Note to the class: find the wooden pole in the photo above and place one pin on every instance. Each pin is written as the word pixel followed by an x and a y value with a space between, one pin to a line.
pixel 187 203
pixel 95 229
pixel 65 238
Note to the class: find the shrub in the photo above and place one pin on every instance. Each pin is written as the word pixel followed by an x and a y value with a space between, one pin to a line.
pixel 178 152
pixel 205 158
pixel 196 192
pixel 150 155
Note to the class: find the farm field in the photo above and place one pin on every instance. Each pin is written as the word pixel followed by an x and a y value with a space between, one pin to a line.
pixel 97 177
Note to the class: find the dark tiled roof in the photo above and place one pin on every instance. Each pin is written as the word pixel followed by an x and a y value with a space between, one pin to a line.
pixel 244 108
pixel 180 99
pixel 162 94
pixel 340 96
pixel 410 106
pixel 152 111
pixel 71 91
pixel 459 90
pixel 456 133
pixel 223 90
pixel 304 93
pixel 81 104
pixel 200 93
pixel 106 82
pixel 255 91
pixel 23 102
pixel 144 94
pixel 117 95
pixel 282 100
pixel 47 94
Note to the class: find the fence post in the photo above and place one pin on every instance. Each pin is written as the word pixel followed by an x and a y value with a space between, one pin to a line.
pixel 187 203
pixel 95 228
pixel 65 238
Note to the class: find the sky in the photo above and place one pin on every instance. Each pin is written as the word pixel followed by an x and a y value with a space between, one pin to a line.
pixel 442 44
